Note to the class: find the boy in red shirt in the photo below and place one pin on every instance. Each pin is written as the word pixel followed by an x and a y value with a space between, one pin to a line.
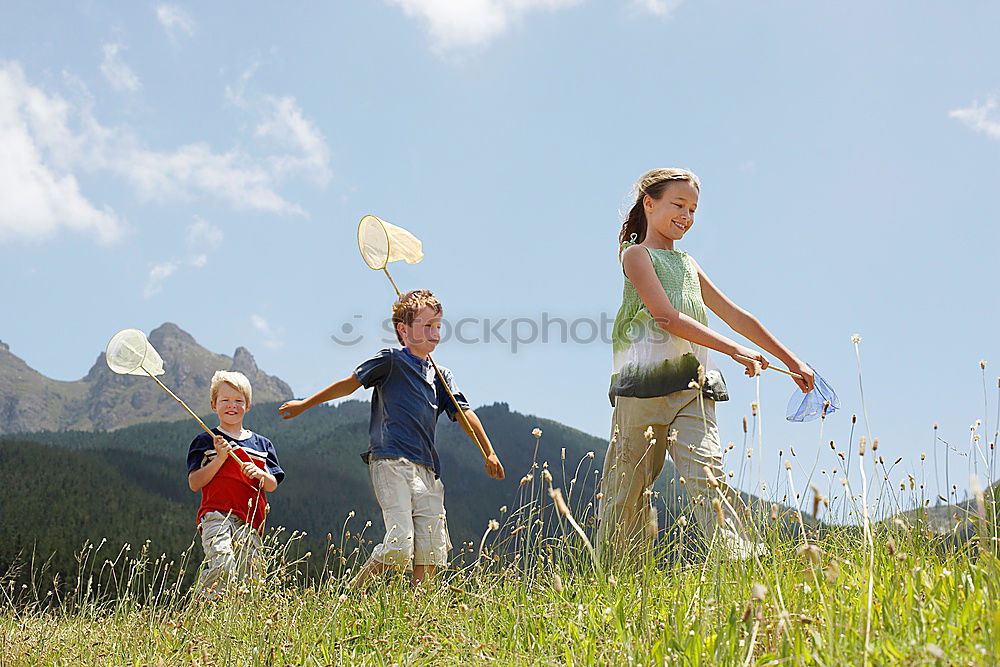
pixel 233 495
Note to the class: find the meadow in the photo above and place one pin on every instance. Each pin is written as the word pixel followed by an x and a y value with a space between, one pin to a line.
pixel 880 575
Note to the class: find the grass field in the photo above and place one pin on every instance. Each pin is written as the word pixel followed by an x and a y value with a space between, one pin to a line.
pixel 900 582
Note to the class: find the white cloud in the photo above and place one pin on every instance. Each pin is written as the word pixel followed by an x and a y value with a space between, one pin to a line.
pixel 983 118
pixel 157 274
pixel 200 238
pixel 175 20
pixel 48 142
pixel 662 8
pixel 466 23
pixel 119 75
pixel 202 235
pixel 289 128
pixel 271 334
pixel 39 195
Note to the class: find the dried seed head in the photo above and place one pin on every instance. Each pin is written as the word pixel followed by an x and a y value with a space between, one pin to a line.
pixel 562 454
pixel 720 518
pixel 753 409
pixel 537 432
pixel 923 456
pixel 855 338
pixel 861 446
pixel 774 511
pixel 891 546
pixel 682 480
pixel 758 592
pixel 712 481
pixel 682 521
pixel 744 424
pixel 701 374
pixel 547 476
pixel 527 478
pixel 982 365
pixel 672 436
pixel 788 465
pixel 557 583
pixel 559 501
pixel 832 571
pixel 874 444
pixel 811 553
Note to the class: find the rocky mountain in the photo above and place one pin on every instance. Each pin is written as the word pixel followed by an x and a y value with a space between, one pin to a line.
pixel 101 400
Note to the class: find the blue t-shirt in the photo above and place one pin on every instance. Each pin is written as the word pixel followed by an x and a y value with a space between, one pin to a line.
pixel 407 400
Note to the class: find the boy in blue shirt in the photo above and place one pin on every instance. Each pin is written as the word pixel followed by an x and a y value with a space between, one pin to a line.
pixel 403 464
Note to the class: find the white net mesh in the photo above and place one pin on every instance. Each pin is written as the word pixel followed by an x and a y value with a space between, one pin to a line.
pixel 381 242
pixel 130 353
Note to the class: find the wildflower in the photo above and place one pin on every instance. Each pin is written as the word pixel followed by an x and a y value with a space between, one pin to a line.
pixel 758 592
pixel 503 509
pixel 856 338
pixel 537 432
pixel 648 433
pixel 682 521
pixel 493 525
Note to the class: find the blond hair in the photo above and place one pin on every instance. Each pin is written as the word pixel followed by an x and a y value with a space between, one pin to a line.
pixel 652 183
pixel 234 379
pixel 405 310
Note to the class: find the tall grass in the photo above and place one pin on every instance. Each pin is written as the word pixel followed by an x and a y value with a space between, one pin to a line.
pixel 893 589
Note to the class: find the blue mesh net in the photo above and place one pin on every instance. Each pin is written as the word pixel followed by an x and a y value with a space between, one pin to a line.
pixel 807 407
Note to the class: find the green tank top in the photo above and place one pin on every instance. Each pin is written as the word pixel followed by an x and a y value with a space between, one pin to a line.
pixel 649 361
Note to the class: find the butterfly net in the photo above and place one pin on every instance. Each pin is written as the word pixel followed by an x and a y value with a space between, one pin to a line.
pixel 381 242
pixel 807 407
pixel 130 353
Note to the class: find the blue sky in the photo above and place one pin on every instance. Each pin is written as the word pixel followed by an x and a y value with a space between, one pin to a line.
pixel 207 164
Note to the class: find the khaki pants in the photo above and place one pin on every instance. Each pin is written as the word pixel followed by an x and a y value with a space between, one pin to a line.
pixel 412 502
pixel 232 549
pixel 685 427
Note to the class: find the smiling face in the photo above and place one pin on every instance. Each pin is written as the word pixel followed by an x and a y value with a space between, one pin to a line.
pixel 669 217
pixel 424 334
pixel 231 405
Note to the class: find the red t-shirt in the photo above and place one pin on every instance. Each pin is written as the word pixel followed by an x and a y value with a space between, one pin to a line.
pixel 230 491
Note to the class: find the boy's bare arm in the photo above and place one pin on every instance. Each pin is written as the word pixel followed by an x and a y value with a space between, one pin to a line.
pixel 493 466
pixel 338 389
pixel 197 479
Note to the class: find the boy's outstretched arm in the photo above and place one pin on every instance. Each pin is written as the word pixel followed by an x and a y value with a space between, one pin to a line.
pixel 338 389
pixel 493 466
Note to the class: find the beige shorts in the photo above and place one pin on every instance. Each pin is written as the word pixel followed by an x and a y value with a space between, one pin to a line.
pixel 232 550
pixel 412 502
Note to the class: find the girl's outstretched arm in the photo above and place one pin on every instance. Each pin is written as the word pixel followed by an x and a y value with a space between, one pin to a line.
pixel 746 324
pixel 639 269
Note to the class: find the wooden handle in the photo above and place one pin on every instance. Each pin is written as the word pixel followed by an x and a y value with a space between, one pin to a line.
pixel 772 368
pixel 232 454
pixel 461 413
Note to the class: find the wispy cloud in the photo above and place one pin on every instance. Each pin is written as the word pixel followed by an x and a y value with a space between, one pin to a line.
pixel 119 75
pixel 39 195
pixel 469 23
pixel 175 21
pixel 200 239
pixel 272 335
pixel 48 141
pixel 662 8
pixel 983 118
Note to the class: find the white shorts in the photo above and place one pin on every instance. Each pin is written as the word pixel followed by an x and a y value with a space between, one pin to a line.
pixel 412 502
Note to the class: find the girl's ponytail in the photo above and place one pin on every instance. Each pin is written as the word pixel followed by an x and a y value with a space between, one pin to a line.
pixel 652 183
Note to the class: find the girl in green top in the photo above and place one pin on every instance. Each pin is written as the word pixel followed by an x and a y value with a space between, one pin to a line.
pixel 664 384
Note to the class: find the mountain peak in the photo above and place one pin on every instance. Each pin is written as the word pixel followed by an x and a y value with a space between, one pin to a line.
pixel 4 347
pixel 170 331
